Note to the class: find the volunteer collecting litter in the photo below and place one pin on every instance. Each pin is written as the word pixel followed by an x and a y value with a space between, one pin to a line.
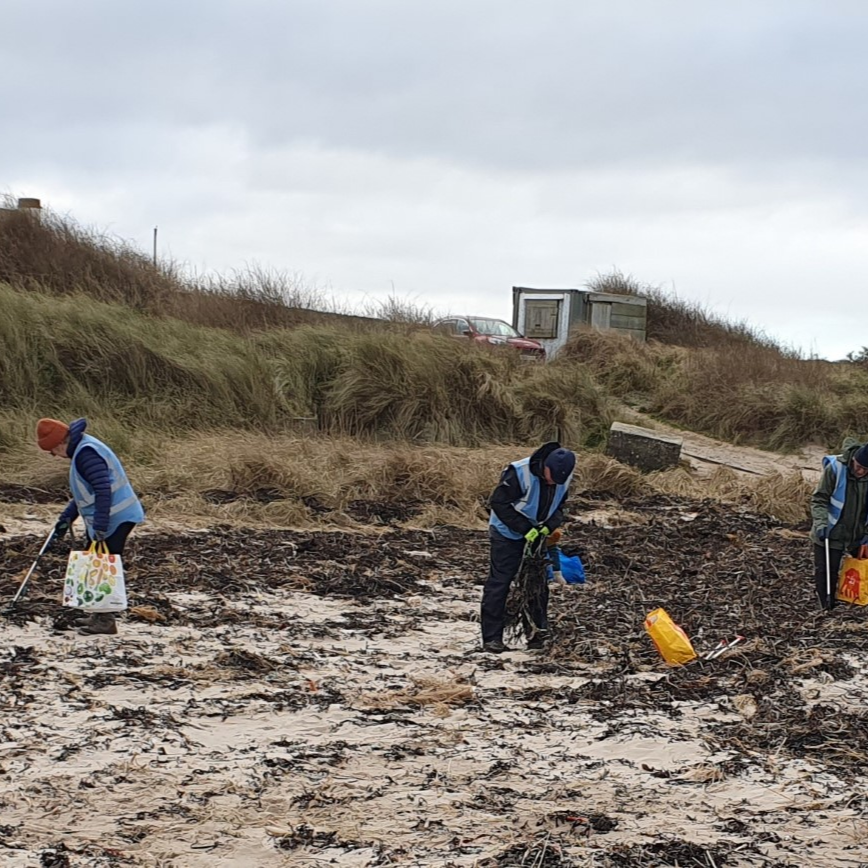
pixel 527 504
pixel 838 510
pixel 101 495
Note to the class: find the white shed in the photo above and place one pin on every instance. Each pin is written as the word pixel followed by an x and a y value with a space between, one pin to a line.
pixel 548 315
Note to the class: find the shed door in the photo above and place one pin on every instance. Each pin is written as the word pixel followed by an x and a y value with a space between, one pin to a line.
pixel 541 318
pixel 601 314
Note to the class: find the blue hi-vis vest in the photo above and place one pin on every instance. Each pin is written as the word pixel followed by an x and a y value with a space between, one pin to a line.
pixel 125 505
pixel 528 504
pixel 839 495
pixel 836 501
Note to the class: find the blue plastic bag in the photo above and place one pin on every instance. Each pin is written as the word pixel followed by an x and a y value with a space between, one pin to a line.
pixel 573 570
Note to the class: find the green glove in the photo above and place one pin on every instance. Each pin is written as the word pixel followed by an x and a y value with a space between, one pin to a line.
pixel 531 535
pixel 544 531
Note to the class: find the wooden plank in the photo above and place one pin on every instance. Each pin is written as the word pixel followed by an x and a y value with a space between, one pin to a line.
pixel 628 318
pixel 617 298
pixel 627 322
pixel 601 316
pixel 628 309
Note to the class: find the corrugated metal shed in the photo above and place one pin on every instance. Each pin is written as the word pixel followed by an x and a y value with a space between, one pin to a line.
pixel 548 315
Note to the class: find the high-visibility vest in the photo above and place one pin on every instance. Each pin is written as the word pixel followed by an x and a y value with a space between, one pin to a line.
pixel 528 503
pixel 125 505
pixel 839 495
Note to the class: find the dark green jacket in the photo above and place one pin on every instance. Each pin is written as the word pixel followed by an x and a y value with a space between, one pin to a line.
pixel 850 529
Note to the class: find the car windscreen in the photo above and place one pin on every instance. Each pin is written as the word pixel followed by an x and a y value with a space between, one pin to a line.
pixel 493 327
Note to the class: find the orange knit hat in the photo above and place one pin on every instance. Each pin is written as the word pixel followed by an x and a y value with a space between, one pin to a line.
pixel 50 433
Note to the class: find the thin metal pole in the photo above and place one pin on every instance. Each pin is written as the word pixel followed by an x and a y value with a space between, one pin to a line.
pixel 23 584
pixel 155 247
pixel 828 577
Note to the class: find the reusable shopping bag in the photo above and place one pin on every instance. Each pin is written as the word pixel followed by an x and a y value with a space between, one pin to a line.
pixel 95 581
pixel 853 579
pixel 670 639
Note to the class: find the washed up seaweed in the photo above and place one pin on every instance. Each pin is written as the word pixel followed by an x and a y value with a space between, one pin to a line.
pixel 338 649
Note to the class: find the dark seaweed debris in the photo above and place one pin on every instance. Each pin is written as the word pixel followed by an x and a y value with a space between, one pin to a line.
pixel 222 563
pixel 719 572
pixel 673 852
pixel 540 854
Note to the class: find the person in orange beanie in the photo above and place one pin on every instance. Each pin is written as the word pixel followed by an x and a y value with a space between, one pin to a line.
pixel 101 495
pixel 50 434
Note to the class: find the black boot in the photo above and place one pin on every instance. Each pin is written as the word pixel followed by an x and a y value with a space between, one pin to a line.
pixel 539 641
pixel 495 647
pixel 99 624
pixel 69 619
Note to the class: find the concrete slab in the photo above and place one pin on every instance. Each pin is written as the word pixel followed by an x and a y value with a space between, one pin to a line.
pixel 643 448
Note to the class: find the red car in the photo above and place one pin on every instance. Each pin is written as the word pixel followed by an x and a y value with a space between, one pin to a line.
pixel 485 330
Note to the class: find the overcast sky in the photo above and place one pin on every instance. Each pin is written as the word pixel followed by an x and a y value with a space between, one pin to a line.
pixel 446 151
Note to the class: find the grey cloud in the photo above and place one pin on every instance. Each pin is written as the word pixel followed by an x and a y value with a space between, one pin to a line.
pixel 456 148
pixel 548 85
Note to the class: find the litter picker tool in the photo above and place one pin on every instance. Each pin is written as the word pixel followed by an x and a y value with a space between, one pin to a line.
pixel 722 646
pixel 828 577
pixel 23 584
pixel 716 650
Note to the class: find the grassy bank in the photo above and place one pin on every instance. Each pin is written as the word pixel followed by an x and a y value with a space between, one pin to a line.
pixel 92 327
pixel 204 418
pixel 54 255
pixel 744 393
pixel 71 355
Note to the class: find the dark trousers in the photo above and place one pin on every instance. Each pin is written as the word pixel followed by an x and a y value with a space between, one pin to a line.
pixel 505 559
pixel 118 539
pixel 835 556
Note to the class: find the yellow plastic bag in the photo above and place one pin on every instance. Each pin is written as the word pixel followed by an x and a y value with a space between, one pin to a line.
pixel 853 581
pixel 670 639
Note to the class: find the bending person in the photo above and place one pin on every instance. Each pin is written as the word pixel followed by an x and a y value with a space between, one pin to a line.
pixel 101 495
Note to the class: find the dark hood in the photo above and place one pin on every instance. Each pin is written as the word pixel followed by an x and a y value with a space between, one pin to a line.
pixel 76 432
pixel 538 459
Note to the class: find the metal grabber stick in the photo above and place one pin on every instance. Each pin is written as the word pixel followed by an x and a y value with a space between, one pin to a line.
pixel 23 584
pixel 828 577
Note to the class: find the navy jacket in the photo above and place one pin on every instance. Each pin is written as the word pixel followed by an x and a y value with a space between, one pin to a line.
pixel 508 491
pixel 96 473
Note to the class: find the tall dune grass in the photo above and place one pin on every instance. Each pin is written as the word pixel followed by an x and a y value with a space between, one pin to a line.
pixel 70 355
pixel 54 255
pixel 744 393
pixel 92 326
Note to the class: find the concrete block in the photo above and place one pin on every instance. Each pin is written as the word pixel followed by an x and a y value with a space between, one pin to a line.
pixel 643 448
